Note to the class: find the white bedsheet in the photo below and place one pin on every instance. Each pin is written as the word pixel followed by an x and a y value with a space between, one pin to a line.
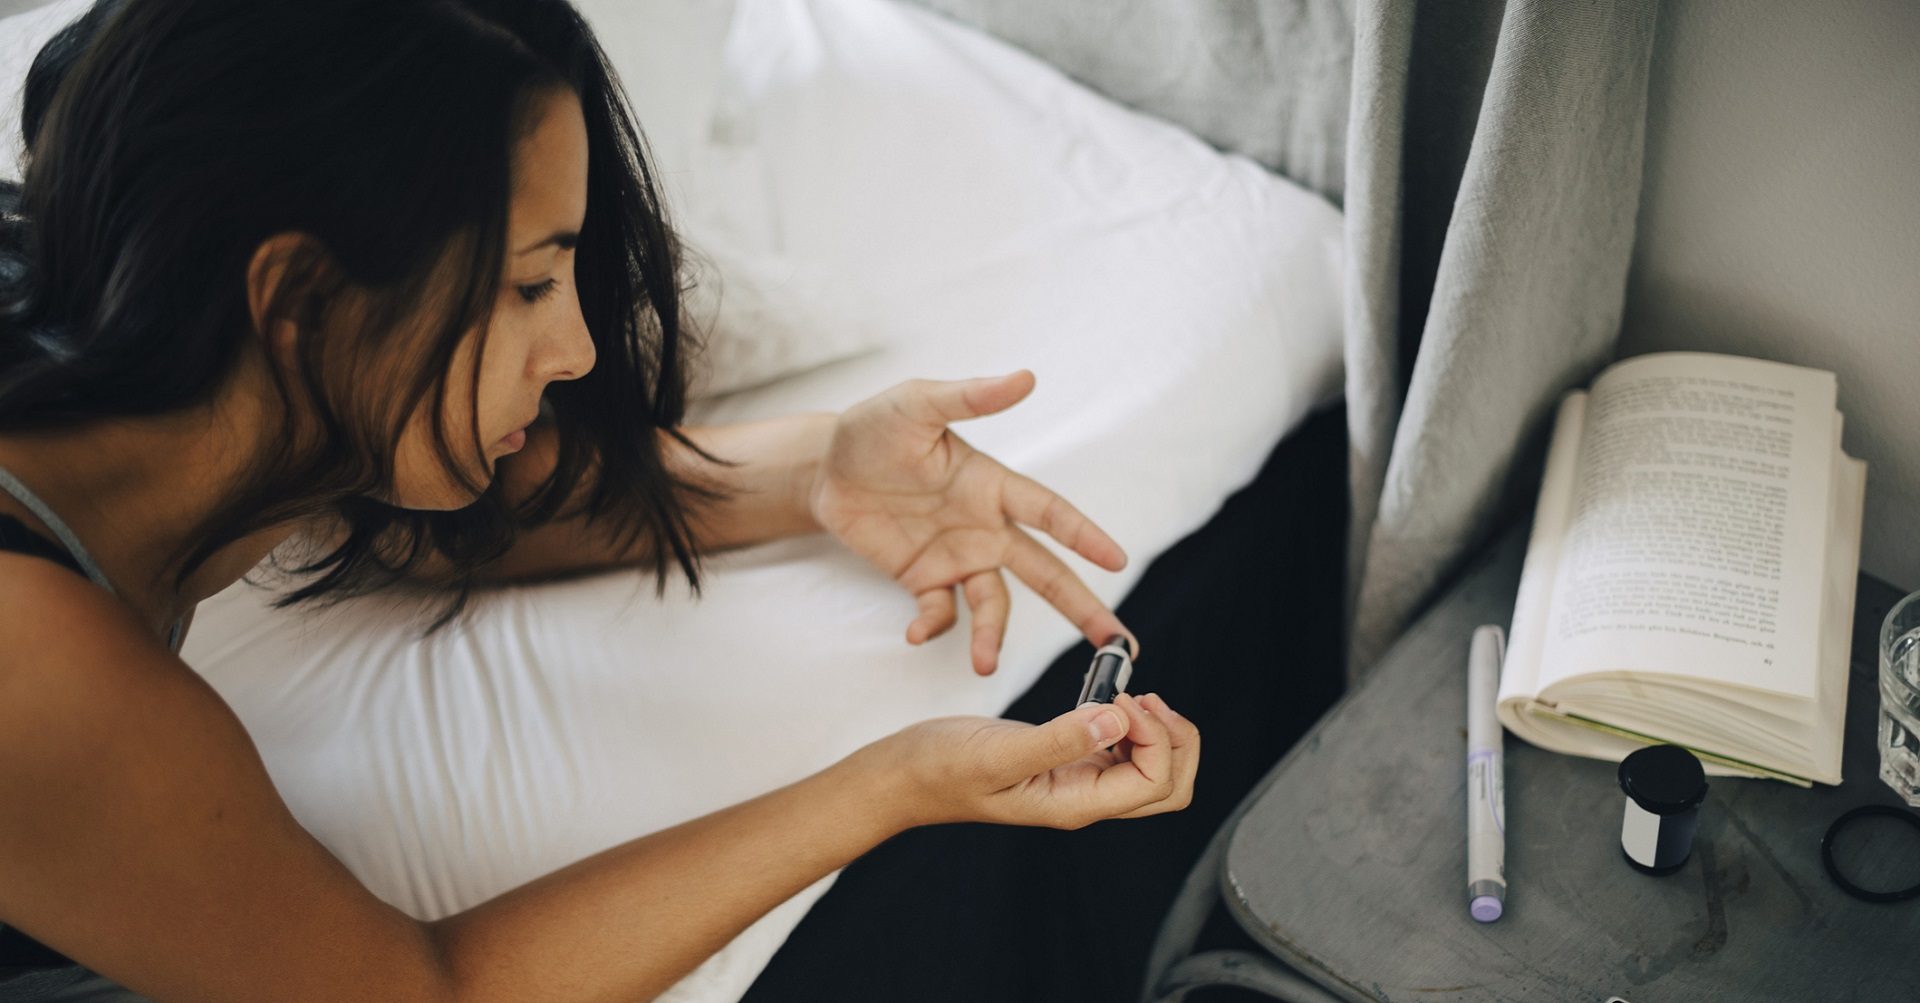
pixel 1179 308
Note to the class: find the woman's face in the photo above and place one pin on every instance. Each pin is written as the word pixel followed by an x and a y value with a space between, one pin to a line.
pixel 536 335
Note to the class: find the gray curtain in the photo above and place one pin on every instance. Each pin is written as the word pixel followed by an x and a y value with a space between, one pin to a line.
pixel 1479 287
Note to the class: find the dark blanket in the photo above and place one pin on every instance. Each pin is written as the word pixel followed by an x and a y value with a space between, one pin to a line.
pixel 1239 626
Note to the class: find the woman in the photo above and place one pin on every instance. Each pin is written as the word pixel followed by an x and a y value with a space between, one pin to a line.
pixel 389 279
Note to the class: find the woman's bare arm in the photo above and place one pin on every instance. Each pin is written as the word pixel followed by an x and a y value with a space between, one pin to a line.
pixel 141 835
pixel 776 458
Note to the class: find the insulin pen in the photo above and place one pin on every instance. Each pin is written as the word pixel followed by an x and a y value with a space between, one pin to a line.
pixel 1486 789
pixel 1112 667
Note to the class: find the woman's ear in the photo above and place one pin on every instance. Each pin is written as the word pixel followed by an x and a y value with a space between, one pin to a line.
pixel 267 284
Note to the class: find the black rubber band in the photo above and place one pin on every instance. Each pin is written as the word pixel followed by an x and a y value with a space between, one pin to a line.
pixel 1848 818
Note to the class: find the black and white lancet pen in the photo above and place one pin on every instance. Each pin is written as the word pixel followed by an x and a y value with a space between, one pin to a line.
pixel 1107 676
pixel 1486 787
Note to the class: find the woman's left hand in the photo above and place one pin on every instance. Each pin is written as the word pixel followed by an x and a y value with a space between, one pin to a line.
pixel 901 490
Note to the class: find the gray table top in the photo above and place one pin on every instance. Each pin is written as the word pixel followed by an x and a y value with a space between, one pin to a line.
pixel 1350 864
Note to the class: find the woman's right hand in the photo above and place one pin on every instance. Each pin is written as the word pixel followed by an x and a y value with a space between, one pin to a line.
pixel 1063 774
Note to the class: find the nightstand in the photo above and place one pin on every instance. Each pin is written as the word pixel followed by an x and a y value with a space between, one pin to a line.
pixel 1347 862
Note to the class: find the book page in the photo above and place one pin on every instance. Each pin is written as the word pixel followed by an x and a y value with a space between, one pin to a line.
pixel 1526 637
pixel 1843 572
pixel 1697 541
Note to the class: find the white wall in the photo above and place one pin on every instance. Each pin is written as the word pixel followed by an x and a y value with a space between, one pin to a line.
pixel 1781 218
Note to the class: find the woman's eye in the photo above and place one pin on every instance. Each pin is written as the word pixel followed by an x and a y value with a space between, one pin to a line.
pixel 538 291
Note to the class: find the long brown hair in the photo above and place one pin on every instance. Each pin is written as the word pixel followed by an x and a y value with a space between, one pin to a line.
pixel 168 138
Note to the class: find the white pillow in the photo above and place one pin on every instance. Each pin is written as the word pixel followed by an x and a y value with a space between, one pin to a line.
pixel 891 159
pixel 764 314
pixel 666 54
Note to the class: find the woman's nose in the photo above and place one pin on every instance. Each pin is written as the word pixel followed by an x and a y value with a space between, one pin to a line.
pixel 570 352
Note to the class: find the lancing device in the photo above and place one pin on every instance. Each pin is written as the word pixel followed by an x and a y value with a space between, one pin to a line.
pixel 1107 676
pixel 1486 786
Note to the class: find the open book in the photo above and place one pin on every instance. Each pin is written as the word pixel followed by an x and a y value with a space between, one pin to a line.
pixel 1690 574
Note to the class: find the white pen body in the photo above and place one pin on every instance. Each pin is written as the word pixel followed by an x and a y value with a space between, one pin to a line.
pixel 1486 784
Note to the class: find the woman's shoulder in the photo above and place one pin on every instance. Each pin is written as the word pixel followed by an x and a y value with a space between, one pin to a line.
pixel 86 689
pixel 58 629
pixel 92 704
pixel 139 792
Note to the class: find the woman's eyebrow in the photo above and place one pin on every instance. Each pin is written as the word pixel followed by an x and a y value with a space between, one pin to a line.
pixel 563 239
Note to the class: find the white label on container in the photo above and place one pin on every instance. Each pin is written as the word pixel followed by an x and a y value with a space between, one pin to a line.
pixel 1640 834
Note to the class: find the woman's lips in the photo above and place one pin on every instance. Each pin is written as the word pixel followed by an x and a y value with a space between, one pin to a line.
pixel 514 440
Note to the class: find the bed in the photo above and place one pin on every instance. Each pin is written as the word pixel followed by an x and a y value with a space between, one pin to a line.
pixel 878 194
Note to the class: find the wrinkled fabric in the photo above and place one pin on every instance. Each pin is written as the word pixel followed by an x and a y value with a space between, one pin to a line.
pixel 1529 282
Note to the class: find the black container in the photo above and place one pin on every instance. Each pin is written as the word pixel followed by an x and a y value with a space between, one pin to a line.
pixel 1665 785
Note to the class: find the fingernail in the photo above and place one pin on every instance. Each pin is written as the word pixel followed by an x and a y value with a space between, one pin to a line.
pixel 1107 728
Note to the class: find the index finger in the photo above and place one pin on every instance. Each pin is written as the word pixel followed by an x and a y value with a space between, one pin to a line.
pixel 1049 576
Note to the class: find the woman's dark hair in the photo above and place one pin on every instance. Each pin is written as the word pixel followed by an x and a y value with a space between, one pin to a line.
pixel 168 139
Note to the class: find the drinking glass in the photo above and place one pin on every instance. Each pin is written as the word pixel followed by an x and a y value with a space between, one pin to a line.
pixel 1900 699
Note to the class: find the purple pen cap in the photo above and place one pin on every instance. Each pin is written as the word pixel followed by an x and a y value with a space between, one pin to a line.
pixel 1484 908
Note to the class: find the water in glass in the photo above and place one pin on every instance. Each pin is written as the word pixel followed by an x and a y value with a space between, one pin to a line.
pixel 1900 699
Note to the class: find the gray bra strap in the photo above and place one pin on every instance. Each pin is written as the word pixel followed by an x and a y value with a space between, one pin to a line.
pixel 25 496
pixel 12 486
